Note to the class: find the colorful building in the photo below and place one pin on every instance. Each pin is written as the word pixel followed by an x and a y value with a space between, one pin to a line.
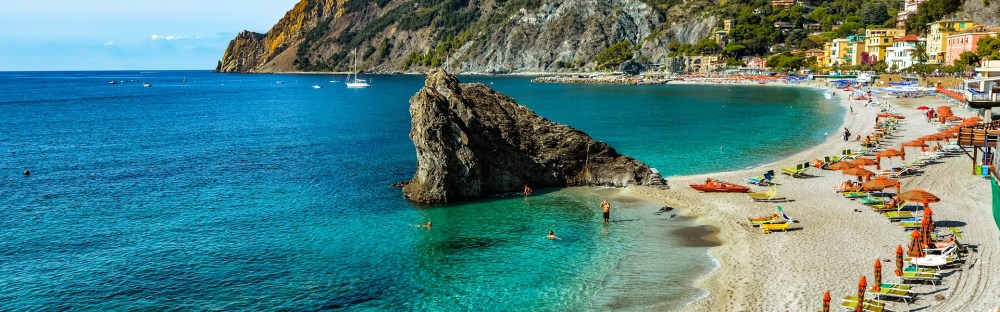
pixel 836 53
pixel 855 49
pixel 880 39
pixel 909 7
pixel 782 4
pixel 966 41
pixel 937 37
pixel 900 55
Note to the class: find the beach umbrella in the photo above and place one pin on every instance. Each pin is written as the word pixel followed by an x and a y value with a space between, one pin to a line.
pixel 862 285
pixel 925 230
pixel 826 301
pixel 858 172
pixel 899 260
pixel 919 196
pixel 928 214
pixel 889 153
pixel 916 248
pixel 914 143
pixel 864 162
pixel 878 276
pixel 841 165
pixel 921 107
pixel 881 183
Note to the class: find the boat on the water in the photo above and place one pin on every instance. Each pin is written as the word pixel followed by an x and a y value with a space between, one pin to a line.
pixel 147 85
pixel 713 185
pixel 317 87
pixel 113 82
pixel 355 82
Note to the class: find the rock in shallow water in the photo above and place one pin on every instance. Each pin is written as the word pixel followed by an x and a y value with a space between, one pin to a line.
pixel 472 141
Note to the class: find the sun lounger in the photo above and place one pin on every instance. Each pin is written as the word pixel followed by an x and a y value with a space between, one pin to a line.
pixel 914 274
pixel 797 171
pixel 895 174
pixel 851 303
pixel 893 293
pixel 855 194
pixel 897 215
pixel 768 228
pixel 884 207
pixel 769 196
pixel 764 179
pixel 872 200
pixel 909 225
pixel 896 286
pixel 755 222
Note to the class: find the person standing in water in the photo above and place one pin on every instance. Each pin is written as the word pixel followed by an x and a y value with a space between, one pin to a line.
pixel 606 207
pixel 527 190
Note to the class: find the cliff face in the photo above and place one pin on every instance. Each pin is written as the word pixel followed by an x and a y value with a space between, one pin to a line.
pixel 459 35
pixel 472 141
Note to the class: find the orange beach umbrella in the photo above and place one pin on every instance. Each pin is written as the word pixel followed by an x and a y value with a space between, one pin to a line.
pixel 841 165
pixel 916 248
pixel 925 231
pixel 899 260
pixel 826 301
pixel 858 172
pixel 878 276
pixel 919 196
pixel 862 285
pixel 881 183
pixel 864 162
pixel 928 214
pixel 889 153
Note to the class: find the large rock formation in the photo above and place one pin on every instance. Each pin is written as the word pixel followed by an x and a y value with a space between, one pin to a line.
pixel 462 35
pixel 472 141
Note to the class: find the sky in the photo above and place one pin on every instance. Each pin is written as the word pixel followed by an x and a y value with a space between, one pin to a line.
pixel 44 35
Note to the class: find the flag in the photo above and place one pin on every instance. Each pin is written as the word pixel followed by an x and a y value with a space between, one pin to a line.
pixel 783 215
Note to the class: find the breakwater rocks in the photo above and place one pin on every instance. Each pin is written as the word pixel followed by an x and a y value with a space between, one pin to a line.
pixel 472 141
pixel 603 80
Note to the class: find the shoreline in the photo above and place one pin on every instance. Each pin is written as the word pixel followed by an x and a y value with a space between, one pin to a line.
pixel 782 270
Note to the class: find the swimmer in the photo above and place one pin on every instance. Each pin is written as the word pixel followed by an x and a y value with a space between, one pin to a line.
pixel 27 172
pixel 527 190
pixel 428 225
pixel 552 235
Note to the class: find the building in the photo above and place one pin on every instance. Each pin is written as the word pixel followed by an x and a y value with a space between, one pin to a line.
pixel 900 55
pixel 755 62
pixel 909 7
pixel 837 54
pixel 727 25
pixel 937 37
pixel 818 54
pixel 965 42
pixel 784 26
pixel 782 4
pixel 880 39
pixel 855 48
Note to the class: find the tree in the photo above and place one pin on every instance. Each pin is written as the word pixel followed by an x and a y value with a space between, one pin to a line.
pixel 733 49
pixel 874 13
pixel 920 52
pixel 989 47
pixel 967 58
pixel 706 46
pixel 615 54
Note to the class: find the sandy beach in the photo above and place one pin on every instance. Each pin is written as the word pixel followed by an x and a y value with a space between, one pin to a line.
pixel 789 271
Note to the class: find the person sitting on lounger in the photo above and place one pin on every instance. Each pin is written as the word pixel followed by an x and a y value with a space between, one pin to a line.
pixel 945 243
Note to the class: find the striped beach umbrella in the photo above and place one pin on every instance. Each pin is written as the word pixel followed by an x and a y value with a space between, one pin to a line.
pixel 926 226
pixel 858 172
pixel 862 285
pixel 899 260
pixel 878 276
pixel 826 301
pixel 841 165
pixel 864 162
pixel 916 248
pixel 880 183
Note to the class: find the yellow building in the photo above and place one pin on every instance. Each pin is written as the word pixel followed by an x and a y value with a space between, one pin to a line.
pixel 879 39
pixel 836 52
pixel 727 25
pixel 937 38
pixel 855 47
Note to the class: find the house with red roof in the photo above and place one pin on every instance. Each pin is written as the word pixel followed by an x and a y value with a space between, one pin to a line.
pixel 900 54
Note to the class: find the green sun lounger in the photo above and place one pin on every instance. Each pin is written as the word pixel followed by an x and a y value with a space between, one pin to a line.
pixel 872 200
pixel 855 194
pixel 898 215
pixel 851 302
pixel 892 293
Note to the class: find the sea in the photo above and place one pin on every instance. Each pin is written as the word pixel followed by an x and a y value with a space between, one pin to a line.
pixel 232 192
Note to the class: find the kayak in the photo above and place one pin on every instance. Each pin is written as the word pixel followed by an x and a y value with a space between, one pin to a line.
pixel 719 186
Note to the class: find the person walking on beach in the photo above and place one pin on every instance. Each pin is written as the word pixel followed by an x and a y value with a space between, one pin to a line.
pixel 847 134
pixel 606 207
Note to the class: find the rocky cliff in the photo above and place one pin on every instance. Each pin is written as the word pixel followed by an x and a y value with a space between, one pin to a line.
pixel 472 141
pixel 461 35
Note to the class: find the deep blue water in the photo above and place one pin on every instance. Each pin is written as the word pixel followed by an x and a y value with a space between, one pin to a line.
pixel 234 192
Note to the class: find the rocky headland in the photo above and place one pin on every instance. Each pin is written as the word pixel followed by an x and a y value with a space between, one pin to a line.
pixel 472 141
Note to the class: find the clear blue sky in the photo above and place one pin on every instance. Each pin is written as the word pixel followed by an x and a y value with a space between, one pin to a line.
pixel 121 34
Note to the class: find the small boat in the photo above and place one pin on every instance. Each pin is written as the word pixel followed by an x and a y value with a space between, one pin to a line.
pixel 113 82
pixel 712 185
pixel 279 82
pixel 317 87
pixel 147 85
pixel 356 83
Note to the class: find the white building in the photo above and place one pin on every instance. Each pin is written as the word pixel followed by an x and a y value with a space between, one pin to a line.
pixel 900 54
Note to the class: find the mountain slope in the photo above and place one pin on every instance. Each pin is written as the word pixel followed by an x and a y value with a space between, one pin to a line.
pixel 458 35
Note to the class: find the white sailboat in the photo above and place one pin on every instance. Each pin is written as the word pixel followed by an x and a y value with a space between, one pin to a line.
pixel 355 82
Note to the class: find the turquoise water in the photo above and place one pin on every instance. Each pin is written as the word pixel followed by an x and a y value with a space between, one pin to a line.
pixel 234 192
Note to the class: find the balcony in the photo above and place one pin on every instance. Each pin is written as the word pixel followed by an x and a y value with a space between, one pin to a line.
pixel 982 93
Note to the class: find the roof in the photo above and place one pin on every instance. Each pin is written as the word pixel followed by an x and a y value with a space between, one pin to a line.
pixel 910 37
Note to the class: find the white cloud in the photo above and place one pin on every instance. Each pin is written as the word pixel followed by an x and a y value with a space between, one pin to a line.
pixel 172 37
pixel 109 43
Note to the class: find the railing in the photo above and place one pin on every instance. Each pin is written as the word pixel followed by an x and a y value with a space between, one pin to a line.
pixel 982 97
